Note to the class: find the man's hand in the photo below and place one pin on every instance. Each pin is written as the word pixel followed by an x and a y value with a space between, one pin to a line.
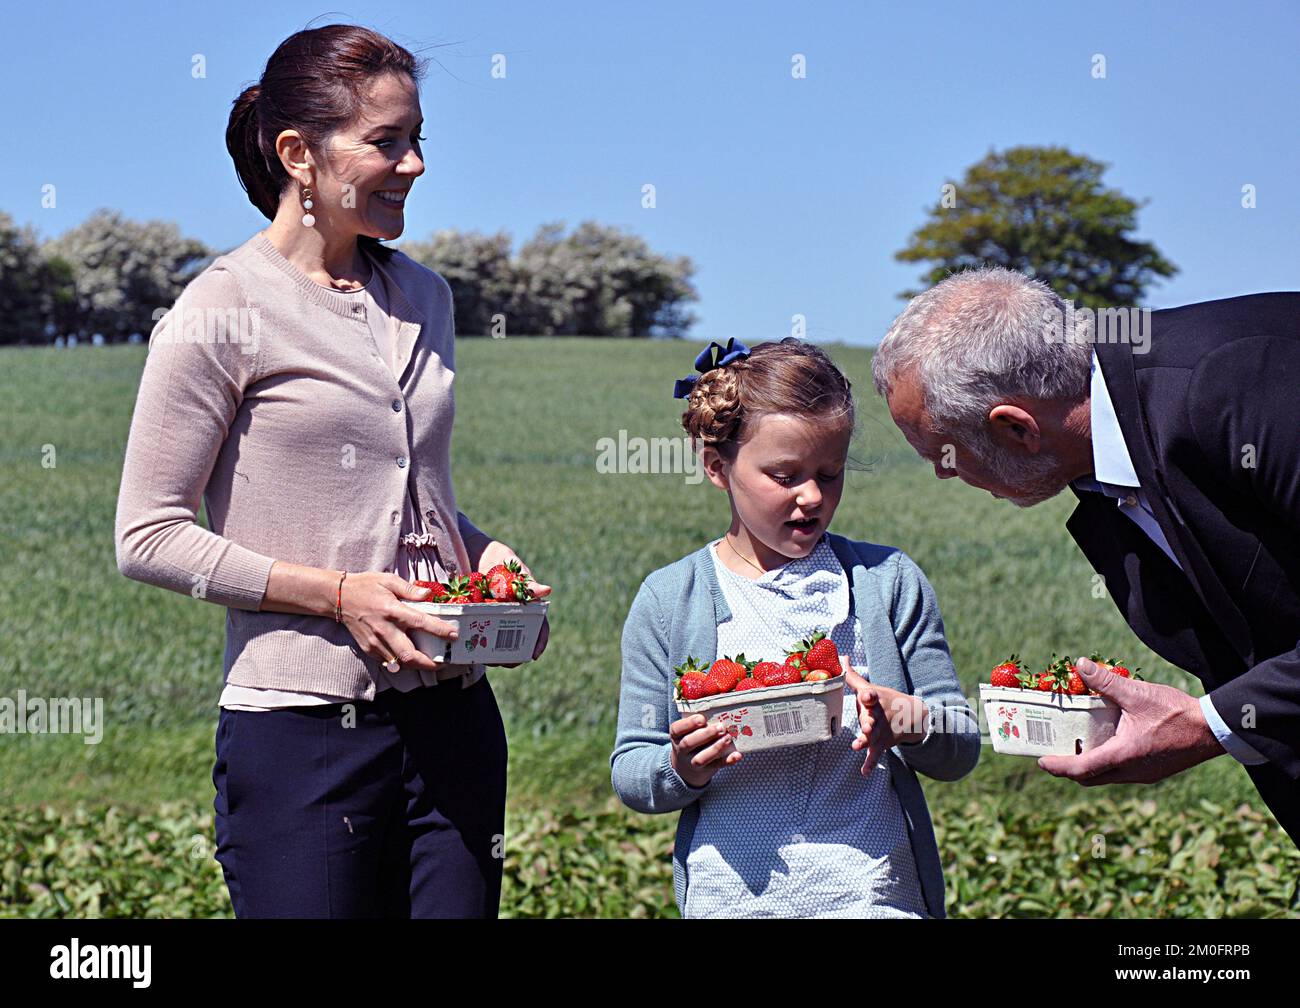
pixel 1161 732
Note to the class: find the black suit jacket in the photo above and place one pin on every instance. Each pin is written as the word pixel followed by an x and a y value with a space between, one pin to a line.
pixel 1211 418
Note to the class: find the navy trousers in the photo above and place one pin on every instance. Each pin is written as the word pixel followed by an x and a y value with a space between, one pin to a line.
pixel 387 808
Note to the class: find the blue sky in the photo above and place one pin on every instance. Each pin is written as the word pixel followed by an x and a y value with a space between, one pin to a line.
pixel 790 195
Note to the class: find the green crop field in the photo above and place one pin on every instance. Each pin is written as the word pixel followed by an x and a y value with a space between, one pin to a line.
pixel 124 826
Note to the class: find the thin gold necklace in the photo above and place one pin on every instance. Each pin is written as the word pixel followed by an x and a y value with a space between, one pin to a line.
pixel 742 556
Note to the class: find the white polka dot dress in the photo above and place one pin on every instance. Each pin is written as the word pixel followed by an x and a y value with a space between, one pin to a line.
pixel 798 832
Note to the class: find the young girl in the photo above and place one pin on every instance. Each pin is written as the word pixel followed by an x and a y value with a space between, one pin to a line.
pixel 808 830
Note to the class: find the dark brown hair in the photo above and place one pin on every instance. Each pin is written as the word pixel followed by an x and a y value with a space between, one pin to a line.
pixel 791 377
pixel 314 83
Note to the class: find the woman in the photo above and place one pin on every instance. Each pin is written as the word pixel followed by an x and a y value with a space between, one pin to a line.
pixel 302 385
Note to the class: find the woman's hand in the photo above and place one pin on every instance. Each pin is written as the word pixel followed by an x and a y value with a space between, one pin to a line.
pixel 886 717
pixel 700 749
pixel 498 553
pixel 379 622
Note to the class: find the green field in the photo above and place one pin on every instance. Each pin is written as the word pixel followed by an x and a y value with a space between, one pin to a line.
pixel 529 415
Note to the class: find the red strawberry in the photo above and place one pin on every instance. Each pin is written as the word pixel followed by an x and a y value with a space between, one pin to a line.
pixel 795 661
pixel 778 675
pixel 692 683
pixel 820 653
pixel 507 582
pixel 1057 676
pixel 749 682
pixel 693 686
pixel 1009 674
pixel 458 589
pixel 1076 686
pixel 1115 666
pixel 725 673
pixel 437 591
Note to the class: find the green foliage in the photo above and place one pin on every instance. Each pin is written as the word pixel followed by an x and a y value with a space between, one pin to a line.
pixel 1092 859
pixel 1129 859
pixel 594 281
pixel 1042 211
pixel 123 273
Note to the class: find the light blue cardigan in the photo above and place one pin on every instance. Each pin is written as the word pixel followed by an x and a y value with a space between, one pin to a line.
pixel 676 613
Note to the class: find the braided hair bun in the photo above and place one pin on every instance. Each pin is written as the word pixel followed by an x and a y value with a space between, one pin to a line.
pixel 791 377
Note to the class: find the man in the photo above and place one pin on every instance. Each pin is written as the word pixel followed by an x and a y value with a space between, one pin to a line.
pixel 1181 440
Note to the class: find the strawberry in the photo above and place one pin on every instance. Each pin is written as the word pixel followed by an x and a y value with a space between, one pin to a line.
pixel 818 675
pixel 1010 674
pixel 692 683
pixel 749 682
pixel 1110 663
pixel 819 652
pixel 1058 676
pixel 779 675
pixel 764 670
pixel 794 660
pixel 1076 685
pixel 458 589
pixel 507 582
pixel 725 673
pixel 437 591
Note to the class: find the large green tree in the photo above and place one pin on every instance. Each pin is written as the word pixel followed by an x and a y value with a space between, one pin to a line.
pixel 121 272
pixel 1042 211
pixel 599 281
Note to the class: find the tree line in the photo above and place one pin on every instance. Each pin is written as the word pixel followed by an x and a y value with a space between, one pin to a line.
pixel 110 277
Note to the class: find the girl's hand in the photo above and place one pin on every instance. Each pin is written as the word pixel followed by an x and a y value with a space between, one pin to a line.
pixel 379 622
pixel 498 552
pixel 886 717
pixel 700 749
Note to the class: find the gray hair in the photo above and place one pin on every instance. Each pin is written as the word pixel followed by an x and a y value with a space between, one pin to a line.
pixel 979 336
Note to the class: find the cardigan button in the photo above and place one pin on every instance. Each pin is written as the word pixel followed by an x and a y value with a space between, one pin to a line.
pixel 397 405
pixel 401 461
pixel 432 518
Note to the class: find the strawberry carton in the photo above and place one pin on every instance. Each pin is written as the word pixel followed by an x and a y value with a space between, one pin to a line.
pixel 765 705
pixel 1048 713
pixel 496 618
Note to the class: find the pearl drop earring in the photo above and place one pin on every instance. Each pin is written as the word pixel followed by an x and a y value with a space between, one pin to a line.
pixel 307 219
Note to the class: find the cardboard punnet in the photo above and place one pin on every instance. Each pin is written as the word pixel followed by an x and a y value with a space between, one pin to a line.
pixel 489 632
pixel 772 717
pixel 1026 722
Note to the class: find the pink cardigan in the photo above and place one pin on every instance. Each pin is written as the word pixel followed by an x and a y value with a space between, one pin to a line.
pixel 264 394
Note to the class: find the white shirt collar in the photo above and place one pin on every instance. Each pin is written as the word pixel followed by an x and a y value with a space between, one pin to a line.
pixel 1111 461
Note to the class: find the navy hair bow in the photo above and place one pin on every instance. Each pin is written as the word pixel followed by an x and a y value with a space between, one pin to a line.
pixel 712 356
